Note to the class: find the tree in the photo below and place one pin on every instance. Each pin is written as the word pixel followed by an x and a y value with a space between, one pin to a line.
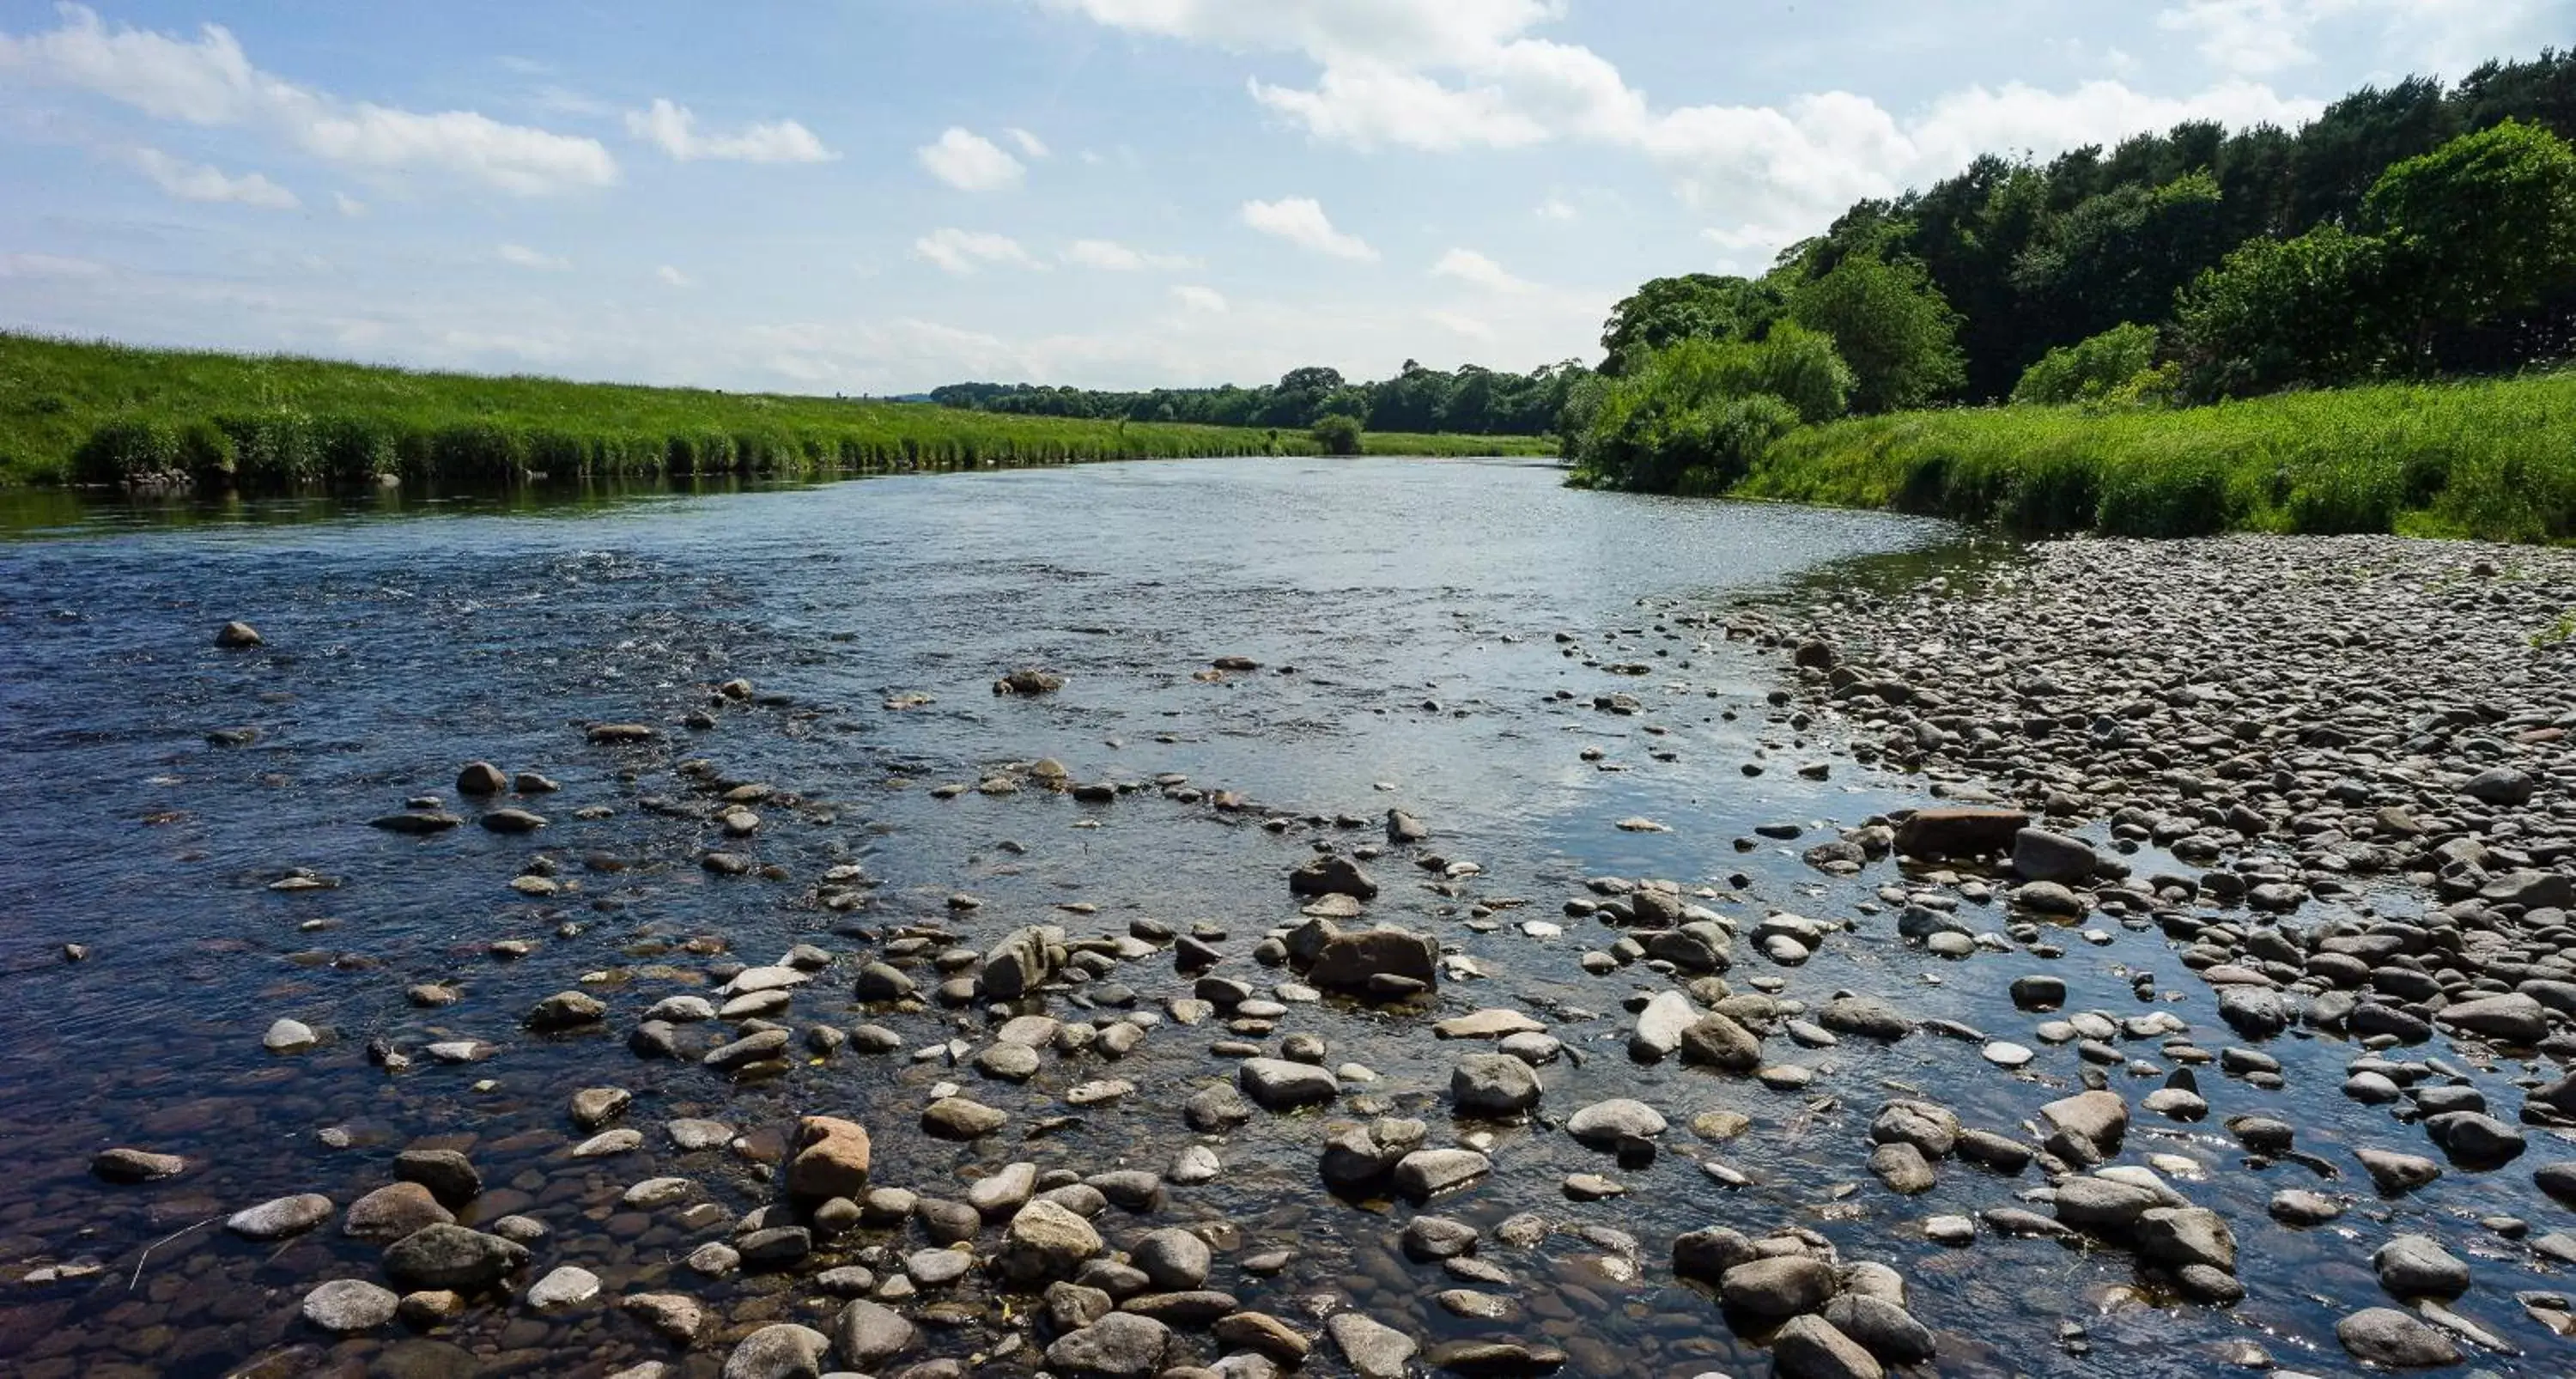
pixel 1695 306
pixel 1337 434
pixel 2122 255
pixel 2277 313
pixel 1890 325
pixel 2482 225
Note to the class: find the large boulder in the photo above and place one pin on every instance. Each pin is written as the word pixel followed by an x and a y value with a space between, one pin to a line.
pixel 2086 1128
pixel 1954 831
pixel 1347 961
pixel 1330 875
pixel 1022 962
pixel 2039 855
pixel 831 1159
pixel 2513 1018
pixel 454 1258
pixel 1046 1240
pixel 867 1334
pixel 782 1350
pixel 1492 1084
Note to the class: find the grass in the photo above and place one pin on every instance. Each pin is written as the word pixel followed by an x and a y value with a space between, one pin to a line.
pixel 82 412
pixel 2493 459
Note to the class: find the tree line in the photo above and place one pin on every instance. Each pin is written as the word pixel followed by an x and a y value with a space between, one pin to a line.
pixel 1470 401
pixel 2409 231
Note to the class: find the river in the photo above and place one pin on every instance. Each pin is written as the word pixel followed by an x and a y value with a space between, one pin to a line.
pixel 1433 636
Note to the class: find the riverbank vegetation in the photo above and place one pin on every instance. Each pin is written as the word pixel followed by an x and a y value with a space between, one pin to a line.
pixel 97 413
pixel 1471 401
pixel 2349 327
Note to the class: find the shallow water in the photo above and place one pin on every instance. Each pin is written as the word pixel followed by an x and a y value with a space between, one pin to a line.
pixel 1405 614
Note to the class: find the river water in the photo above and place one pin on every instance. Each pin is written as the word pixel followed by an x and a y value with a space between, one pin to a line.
pixel 1430 635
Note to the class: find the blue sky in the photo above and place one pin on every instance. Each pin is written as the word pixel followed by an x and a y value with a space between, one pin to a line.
pixel 883 195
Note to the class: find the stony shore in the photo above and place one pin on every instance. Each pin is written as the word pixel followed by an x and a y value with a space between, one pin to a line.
pixel 2306 795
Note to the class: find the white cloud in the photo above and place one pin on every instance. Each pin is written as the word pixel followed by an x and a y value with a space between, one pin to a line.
pixel 970 162
pixel 1556 208
pixel 1029 143
pixel 1449 75
pixel 1300 220
pixel 2253 37
pixel 348 205
pixel 674 277
pixel 211 81
pixel 674 129
pixel 49 266
pixel 521 256
pixel 1476 270
pixel 963 251
pixel 198 182
pixel 2256 38
pixel 1196 298
pixel 1372 104
pixel 1115 257
pixel 1460 323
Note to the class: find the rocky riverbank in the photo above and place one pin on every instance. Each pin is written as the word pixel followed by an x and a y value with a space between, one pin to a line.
pixel 2170 957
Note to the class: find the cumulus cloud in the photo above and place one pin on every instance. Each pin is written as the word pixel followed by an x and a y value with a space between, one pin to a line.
pixel 1115 257
pixel 1301 221
pixel 348 205
pixel 963 251
pixel 1029 143
pixel 2255 38
pixel 970 162
pixel 673 277
pixel 198 182
pixel 1476 270
pixel 521 256
pixel 1449 75
pixel 1196 298
pixel 211 81
pixel 1556 208
pixel 674 129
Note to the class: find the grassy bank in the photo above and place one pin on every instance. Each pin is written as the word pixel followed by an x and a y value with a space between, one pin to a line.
pixel 2494 459
pixel 96 413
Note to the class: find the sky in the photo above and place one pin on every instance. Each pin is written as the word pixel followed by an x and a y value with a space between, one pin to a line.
pixel 879 196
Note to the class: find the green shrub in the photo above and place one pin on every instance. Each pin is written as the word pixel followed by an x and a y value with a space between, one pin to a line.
pixel 2090 370
pixel 126 448
pixel 1337 434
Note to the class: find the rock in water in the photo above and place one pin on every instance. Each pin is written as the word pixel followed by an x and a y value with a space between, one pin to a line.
pixel 1374 1349
pixel 1280 1085
pixel 235 636
pixel 1492 1084
pixel 782 1350
pixel 136 1165
pixel 831 1159
pixel 1933 834
pixel 347 1305
pixel 448 1256
pixel 1347 962
pixel 2391 1339
pixel 281 1218
pixel 867 1334
pixel 1810 1347
pixel 1330 875
pixel 2086 1128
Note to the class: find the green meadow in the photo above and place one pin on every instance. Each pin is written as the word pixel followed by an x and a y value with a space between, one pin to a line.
pixel 93 413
